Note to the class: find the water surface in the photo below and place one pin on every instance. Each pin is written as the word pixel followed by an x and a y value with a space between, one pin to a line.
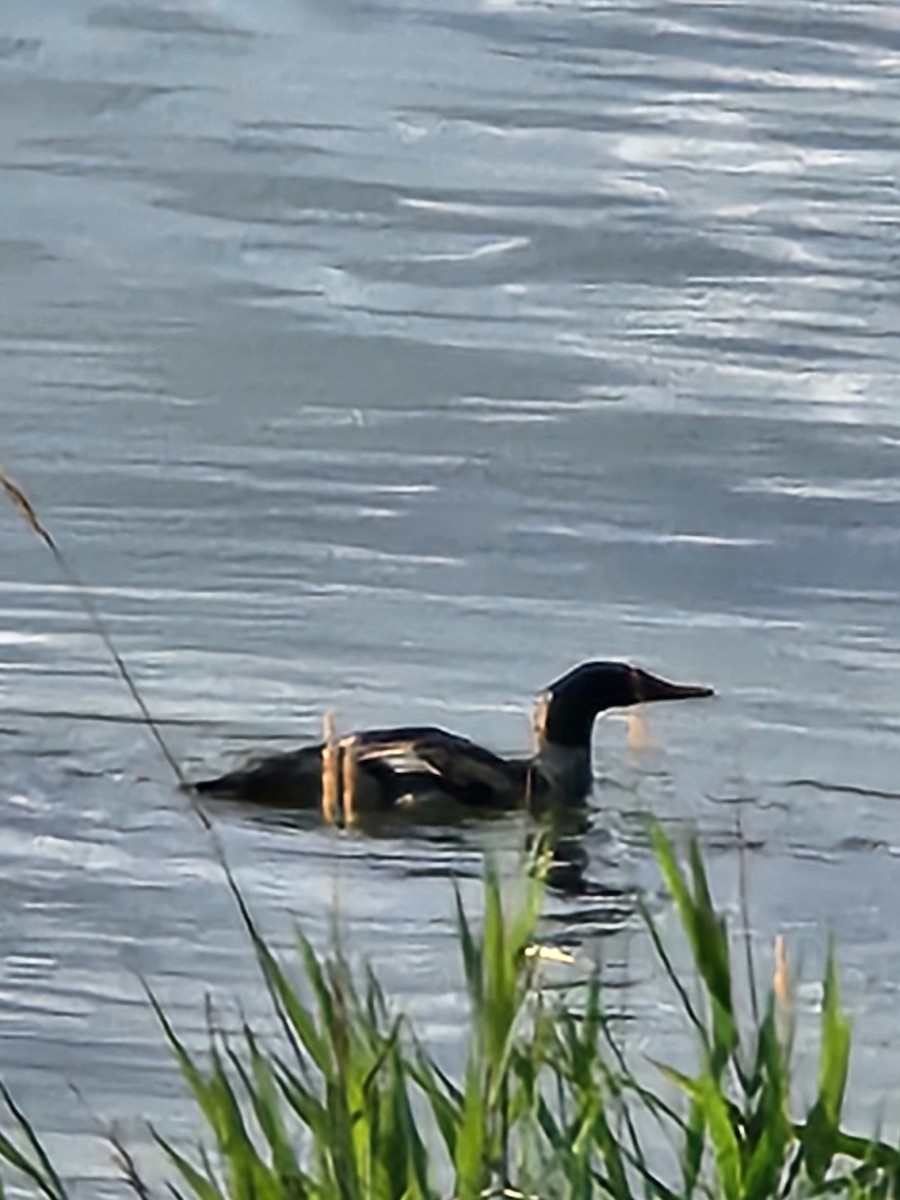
pixel 391 358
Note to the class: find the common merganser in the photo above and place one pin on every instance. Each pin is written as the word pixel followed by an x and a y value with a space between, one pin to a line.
pixel 392 767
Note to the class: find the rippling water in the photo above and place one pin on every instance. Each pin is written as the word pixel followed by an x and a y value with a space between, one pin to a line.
pixel 392 358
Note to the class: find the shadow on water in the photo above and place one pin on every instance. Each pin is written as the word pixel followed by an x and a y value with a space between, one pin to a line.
pixel 563 837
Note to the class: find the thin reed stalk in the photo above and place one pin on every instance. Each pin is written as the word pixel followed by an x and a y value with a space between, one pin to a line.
pixel 331 772
pixel 83 597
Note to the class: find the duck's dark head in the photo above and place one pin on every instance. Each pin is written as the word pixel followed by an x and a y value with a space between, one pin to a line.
pixel 570 704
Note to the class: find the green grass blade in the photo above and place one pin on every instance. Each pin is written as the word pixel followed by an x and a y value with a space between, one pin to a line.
pixel 246 1171
pixel 694 1144
pixel 444 1099
pixel 322 991
pixel 407 1157
pixel 820 1133
pixel 471 1142
pixel 470 954
pixel 11 1154
pixel 203 1186
pixel 835 1058
pixel 668 966
pixel 282 996
pixel 726 1149
pixel 263 1094
pixel 707 939
pixel 653 1184
pixel 869 1150
pixel 770 1137
pixel 713 958
pixel 42 1172
pixel 199 1087
pixel 307 1107
pixel 497 971
pixel 296 1018
pixel 612 1156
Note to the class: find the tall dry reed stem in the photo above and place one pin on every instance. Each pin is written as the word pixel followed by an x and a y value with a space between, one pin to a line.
pixel 79 589
pixel 349 779
pixel 331 777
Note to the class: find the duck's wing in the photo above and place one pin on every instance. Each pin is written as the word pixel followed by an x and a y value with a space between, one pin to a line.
pixel 294 780
pixel 427 756
pixel 390 764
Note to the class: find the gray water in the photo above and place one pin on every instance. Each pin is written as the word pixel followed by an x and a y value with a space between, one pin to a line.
pixel 391 358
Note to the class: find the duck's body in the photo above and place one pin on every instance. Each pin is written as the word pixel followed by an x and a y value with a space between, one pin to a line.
pixel 385 768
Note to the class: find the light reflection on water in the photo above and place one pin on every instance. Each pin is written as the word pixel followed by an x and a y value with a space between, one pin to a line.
pixel 391 359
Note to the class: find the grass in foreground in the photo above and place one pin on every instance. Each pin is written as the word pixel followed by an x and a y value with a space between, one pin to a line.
pixel 353 1106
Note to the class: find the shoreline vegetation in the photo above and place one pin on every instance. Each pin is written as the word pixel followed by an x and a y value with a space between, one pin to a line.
pixel 351 1105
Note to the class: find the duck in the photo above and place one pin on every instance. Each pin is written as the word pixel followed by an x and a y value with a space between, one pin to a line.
pixel 385 769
